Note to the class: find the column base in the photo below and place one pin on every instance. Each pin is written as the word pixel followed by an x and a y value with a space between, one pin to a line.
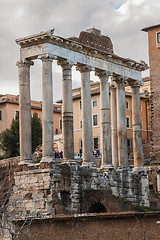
pixel 47 159
pixel 107 167
pixel 139 170
pixel 26 162
pixel 127 168
pixel 69 161
pixel 89 164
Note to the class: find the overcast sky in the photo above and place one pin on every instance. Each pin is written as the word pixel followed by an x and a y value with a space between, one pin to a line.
pixel 121 20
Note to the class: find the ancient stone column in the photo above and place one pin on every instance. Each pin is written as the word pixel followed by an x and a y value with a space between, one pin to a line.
pixel 114 125
pixel 67 111
pixel 121 124
pixel 25 111
pixel 137 129
pixel 106 162
pixel 87 136
pixel 47 109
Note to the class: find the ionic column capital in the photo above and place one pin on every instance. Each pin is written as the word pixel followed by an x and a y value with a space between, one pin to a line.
pixel 103 73
pixel 120 84
pixel 112 86
pixel 65 64
pixel 119 79
pixel 23 62
pixel 47 57
pixel 84 68
pixel 134 84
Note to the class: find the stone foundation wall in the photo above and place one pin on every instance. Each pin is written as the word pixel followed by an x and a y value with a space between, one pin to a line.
pixel 41 192
pixel 131 186
pixel 7 169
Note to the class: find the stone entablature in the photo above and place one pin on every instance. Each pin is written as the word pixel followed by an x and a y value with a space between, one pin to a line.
pixel 45 43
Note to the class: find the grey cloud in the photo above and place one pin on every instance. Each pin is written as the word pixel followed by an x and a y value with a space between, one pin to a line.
pixel 20 18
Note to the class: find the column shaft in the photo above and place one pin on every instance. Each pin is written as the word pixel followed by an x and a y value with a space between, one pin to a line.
pixel 87 136
pixel 25 111
pixel 137 129
pixel 114 127
pixel 121 125
pixel 67 113
pixel 47 109
pixel 105 123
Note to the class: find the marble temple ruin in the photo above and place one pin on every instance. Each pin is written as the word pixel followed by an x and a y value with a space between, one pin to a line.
pixel 48 188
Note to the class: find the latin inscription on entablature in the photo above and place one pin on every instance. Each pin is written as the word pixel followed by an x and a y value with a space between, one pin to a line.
pixel 33 52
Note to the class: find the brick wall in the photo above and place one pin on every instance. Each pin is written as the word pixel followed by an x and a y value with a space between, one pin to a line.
pixel 123 226
pixel 97 41
pixel 154 59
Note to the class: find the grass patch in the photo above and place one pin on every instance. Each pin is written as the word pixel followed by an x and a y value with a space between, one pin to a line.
pixel 38 160
pixel 146 209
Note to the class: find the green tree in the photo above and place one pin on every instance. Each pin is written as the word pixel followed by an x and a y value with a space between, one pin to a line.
pixel 36 132
pixel 10 137
pixel 10 140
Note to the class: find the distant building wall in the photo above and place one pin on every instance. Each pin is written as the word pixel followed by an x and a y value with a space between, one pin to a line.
pixel 145 115
pixel 154 61
pixel 9 106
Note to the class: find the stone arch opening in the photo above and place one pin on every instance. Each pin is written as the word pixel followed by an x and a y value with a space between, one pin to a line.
pixel 97 208
pixel 65 198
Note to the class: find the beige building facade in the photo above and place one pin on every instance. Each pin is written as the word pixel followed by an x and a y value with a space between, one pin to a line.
pixel 9 110
pixel 96 126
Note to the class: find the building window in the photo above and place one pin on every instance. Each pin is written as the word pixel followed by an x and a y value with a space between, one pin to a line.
pixel 0 115
pixel 140 107
pixel 80 105
pixel 127 122
pixel 56 131
pixel 95 143
pixel 95 120
pixel 129 144
pixel 80 123
pixel 127 105
pixel 94 103
pixel 60 123
pixel 16 114
pixel 80 144
pixel 158 37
